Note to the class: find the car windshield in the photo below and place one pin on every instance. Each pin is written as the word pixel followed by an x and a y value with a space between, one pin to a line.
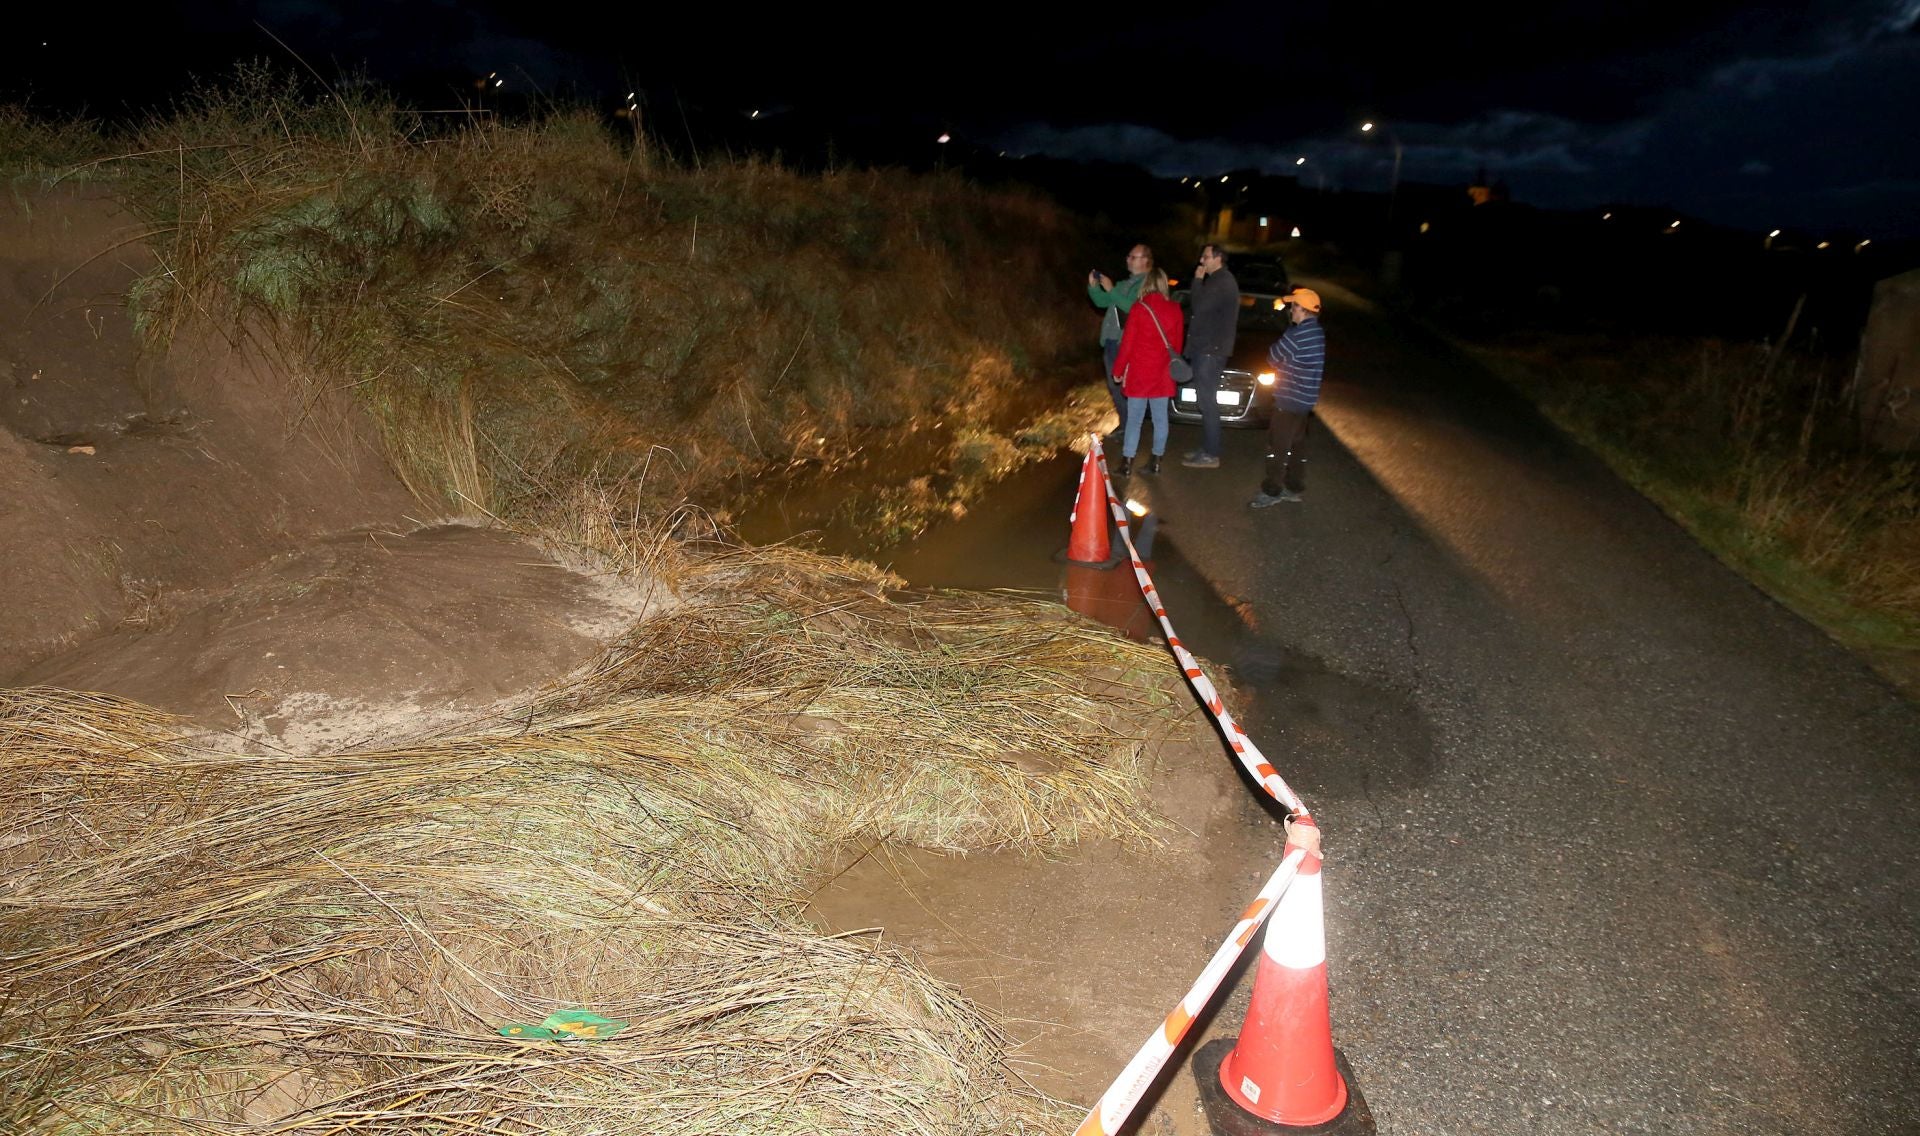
pixel 1261 276
pixel 1260 281
pixel 1258 313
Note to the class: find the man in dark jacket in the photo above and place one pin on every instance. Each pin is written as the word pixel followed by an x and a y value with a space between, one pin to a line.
pixel 1215 303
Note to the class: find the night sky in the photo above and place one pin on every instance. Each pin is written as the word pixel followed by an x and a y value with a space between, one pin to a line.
pixel 1795 115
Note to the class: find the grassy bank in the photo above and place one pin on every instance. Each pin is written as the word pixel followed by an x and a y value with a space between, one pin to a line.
pixel 524 307
pixel 551 326
pixel 1760 457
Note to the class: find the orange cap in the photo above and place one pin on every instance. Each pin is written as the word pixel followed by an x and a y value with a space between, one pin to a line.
pixel 1305 297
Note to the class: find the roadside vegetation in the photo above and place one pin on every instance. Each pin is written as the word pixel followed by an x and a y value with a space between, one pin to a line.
pixel 527 307
pixel 555 329
pixel 1759 455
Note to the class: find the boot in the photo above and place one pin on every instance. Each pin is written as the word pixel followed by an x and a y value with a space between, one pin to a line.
pixel 1153 464
pixel 1126 467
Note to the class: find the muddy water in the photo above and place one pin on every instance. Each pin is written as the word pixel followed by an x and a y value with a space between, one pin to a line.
pixel 1013 540
pixel 1076 952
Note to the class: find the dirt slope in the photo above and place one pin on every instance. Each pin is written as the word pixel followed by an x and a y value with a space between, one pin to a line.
pixel 177 528
pixel 129 482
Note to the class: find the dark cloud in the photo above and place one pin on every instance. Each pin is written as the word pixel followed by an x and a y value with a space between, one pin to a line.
pixel 1789 117
pixel 1572 103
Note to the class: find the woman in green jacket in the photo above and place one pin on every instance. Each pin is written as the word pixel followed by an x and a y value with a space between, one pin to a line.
pixel 1117 300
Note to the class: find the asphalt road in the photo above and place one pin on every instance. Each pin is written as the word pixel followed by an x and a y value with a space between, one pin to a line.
pixel 1616 844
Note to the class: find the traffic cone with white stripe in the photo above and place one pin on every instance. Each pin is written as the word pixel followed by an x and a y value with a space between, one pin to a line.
pixel 1282 1069
pixel 1088 543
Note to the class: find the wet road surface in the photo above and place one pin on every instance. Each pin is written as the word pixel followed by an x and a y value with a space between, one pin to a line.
pixel 1616 844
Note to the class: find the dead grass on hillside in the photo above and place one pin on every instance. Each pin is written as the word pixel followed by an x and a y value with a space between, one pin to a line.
pixel 524 306
pixel 34 146
pixel 327 943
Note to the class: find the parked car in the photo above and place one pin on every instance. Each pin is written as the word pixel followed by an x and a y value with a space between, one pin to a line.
pixel 1246 385
pixel 1260 276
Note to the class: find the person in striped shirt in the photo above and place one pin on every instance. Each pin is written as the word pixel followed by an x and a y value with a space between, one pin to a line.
pixel 1300 358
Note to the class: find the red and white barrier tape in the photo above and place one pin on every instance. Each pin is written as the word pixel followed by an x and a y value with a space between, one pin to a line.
pixel 1117 1103
pixel 1249 754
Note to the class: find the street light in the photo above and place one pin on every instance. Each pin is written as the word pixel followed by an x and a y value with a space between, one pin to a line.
pixel 1393 188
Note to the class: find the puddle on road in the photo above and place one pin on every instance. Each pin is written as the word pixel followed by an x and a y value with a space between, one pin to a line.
pixel 1332 734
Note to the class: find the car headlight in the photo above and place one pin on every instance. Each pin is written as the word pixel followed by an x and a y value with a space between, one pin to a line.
pixel 1266 378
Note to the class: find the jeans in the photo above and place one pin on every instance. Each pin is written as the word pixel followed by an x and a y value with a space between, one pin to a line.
pixel 1137 408
pixel 1110 349
pixel 1286 468
pixel 1206 388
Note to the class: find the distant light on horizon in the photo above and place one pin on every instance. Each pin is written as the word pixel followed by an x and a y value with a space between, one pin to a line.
pixel 1671 227
pixel 944 139
pixel 1223 178
pixel 1824 244
pixel 1296 230
pixel 1263 222
pixel 1773 234
pixel 1606 216
pixel 1365 126
pixel 1299 161
pixel 1863 244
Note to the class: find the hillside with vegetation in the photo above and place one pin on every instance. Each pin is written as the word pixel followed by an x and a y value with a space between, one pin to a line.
pixel 527 308
pixel 394 741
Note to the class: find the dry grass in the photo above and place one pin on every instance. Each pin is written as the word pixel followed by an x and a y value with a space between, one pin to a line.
pixel 523 307
pixel 36 147
pixel 1763 462
pixel 558 333
pixel 208 942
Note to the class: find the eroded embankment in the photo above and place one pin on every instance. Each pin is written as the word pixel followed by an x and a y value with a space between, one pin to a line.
pixel 310 940
pixel 133 483
pixel 392 785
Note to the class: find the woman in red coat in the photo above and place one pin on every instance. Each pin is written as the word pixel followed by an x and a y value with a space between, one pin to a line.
pixel 1156 331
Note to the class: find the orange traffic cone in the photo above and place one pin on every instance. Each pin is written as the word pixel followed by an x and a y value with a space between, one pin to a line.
pixel 1283 1069
pixel 1088 543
